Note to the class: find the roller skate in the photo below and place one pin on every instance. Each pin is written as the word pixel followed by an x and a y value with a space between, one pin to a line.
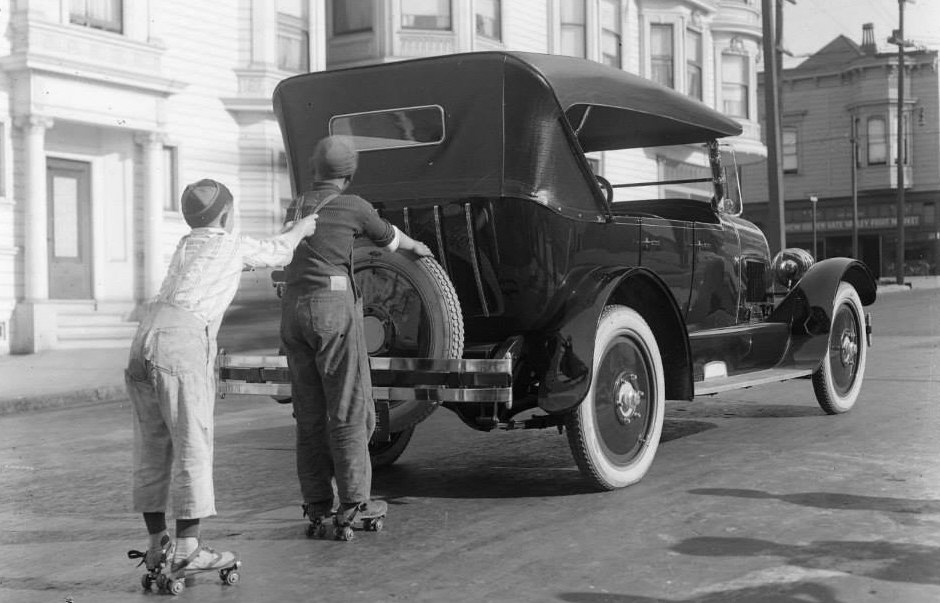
pixel 321 519
pixel 369 515
pixel 154 561
pixel 203 559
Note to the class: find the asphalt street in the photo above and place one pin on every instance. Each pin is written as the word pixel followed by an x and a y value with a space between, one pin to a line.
pixel 755 495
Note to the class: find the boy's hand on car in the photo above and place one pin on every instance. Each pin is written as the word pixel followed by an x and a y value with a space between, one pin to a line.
pixel 421 250
pixel 307 225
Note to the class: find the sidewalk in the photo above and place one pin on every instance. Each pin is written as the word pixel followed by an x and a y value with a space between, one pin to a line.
pixel 69 378
pixel 59 378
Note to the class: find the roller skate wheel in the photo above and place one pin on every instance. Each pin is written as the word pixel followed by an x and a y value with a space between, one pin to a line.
pixel 312 530
pixel 229 577
pixel 161 583
pixel 375 525
pixel 176 587
pixel 146 580
pixel 344 533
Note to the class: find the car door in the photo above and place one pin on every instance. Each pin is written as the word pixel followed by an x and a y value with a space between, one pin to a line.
pixel 716 279
pixel 666 249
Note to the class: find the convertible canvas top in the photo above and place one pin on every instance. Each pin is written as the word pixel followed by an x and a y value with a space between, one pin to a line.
pixel 513 124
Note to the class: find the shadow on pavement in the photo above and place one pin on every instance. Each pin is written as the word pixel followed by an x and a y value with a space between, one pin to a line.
pixel 480 481
pixel 833 500
pixel 673 429
pixel 798 592
pixel 879 559
pixel 745 410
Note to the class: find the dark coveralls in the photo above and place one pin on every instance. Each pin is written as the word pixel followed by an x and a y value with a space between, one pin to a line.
pixel 322 332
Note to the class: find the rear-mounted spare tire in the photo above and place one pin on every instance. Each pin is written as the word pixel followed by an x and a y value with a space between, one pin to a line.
pixel 410 310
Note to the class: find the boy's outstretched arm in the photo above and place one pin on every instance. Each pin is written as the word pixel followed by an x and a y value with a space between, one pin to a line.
pixel 279 249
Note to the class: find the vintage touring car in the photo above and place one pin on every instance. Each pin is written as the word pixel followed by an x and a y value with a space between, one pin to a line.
pixel 549 303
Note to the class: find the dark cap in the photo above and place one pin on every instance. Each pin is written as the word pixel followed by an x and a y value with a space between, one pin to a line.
pixel 203 201
pixel 334 157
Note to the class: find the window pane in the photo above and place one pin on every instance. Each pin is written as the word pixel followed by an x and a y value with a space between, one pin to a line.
pixel 877 144
pixel 790 162
pixel 294 8
pixel 487 19
pixel 572 40
pixel 610 33
pixel 572 11
pixel 170 179
pixel 734 88
pixel 65 217
pixel 693 53
pixel 394 128
pixel 293 50
pixel 97 14
pixel 661 40
pixel 425 14
pixel 351 16
pixel 661 55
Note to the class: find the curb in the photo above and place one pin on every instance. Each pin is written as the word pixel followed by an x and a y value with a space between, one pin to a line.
pixel 72 399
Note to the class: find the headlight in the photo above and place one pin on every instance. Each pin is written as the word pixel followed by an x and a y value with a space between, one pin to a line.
pixel 790 265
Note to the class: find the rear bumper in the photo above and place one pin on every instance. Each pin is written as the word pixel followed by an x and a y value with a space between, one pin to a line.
pixel 436 380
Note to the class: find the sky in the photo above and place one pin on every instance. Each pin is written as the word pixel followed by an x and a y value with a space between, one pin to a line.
pixel 811 24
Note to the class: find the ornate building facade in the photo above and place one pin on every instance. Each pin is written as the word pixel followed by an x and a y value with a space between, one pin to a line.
pixel 839 126
pixel 109 107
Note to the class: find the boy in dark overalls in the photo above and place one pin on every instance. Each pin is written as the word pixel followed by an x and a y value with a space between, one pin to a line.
pixel 322 332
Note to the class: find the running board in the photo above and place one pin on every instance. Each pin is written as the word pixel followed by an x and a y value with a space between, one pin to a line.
pixel 724 384
pixel 456 380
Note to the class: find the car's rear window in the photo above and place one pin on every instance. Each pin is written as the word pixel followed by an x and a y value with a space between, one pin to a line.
pixel 391 128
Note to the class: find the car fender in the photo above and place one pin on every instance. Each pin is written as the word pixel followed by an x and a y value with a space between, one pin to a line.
pixel 564 351
pixel 808 307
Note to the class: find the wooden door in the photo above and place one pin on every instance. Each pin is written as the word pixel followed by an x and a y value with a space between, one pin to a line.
pixel 68 189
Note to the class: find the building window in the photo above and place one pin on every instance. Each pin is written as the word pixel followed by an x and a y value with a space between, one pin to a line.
pixel 97 14
pixel 171 180
pixel 693 64
pixel 877 141
pixel 293 36
pixel 790 159
pixel 905 141
pixel 351 16
pixel 425 14
pixel 734 85
pixel 661 55
pixel 610 33
pixel 488 24
pixel 573 28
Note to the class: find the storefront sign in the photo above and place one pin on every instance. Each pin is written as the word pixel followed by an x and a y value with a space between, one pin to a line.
pixel 863 223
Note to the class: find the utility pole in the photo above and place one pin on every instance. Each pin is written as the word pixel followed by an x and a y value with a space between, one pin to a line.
pixel 776 228
pixel 898 38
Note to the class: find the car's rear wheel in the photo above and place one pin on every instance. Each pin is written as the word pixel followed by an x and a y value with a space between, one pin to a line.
pixel 614 433
pixel 410 310
pixel 838 380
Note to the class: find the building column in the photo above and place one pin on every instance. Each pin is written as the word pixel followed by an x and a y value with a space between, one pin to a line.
pixel 152 145
pixel 36 247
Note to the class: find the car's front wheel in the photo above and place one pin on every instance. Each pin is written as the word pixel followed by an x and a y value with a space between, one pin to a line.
pixel 838 380
pixel 614 433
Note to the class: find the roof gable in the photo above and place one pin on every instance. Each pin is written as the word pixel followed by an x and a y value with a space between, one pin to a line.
pixel 833 56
